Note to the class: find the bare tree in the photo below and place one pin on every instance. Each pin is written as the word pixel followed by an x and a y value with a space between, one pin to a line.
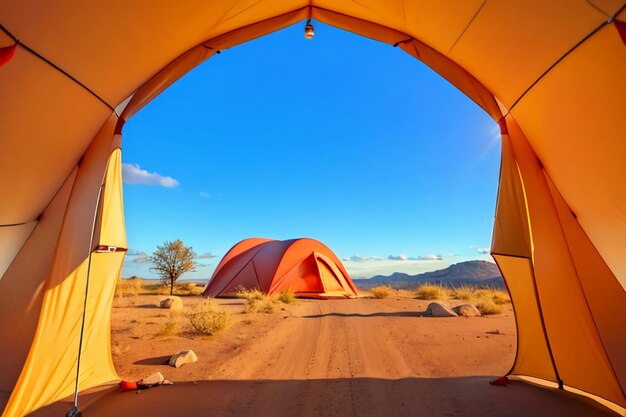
pixel 171 260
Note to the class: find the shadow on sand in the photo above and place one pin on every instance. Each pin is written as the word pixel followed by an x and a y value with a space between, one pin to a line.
pixel 157 360
pixel 450 397
pixel 389 314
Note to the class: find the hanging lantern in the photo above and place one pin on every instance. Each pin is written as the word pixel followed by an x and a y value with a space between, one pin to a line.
pixel 309 32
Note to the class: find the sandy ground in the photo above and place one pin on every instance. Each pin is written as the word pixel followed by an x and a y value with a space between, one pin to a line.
pixel 386 338
pixel 361 357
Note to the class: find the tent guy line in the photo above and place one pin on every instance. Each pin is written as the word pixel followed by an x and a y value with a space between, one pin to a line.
pixel 53 65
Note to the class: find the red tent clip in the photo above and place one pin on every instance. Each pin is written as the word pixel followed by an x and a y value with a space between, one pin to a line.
pixel 7 53
pixel 503 381
pixel 128 386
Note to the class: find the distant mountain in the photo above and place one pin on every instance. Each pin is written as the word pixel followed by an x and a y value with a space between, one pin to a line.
pixel 470 273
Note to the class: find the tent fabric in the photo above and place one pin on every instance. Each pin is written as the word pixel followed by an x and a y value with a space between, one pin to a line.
pixel 305 267
pixel 551 73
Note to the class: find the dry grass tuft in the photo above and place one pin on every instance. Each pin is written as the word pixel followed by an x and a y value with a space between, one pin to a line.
pixel 488 307
pixel 463 293
pixel 207 318
pixel 482 295
pixel 170 327
pixel 127 287
pixel 404 294
pixel 265 305
pixel 381 291
pixel 501 297
pixel 432 292
pixel 287 297
pixel 258 301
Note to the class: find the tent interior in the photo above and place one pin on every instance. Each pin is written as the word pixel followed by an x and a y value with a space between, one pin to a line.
pixel 550 73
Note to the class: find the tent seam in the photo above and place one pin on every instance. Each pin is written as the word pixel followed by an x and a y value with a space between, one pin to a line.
pixel 467 26
pixel 565 55
pixel 55 66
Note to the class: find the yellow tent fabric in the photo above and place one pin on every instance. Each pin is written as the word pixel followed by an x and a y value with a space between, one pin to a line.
pixel 550 72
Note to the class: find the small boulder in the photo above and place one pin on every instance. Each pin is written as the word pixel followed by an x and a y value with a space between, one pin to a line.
pixel 172 303
pixel 439 310
pixel 154 379
pixel 183 357
pixel 466 310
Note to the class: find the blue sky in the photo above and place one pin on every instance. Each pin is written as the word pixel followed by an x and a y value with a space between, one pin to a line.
pixel 339 138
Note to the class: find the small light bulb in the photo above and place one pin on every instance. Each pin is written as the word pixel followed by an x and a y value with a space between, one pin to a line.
pixel 309 32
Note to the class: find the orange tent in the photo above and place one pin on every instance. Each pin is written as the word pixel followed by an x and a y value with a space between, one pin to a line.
pixel 551 73
pixel 305 267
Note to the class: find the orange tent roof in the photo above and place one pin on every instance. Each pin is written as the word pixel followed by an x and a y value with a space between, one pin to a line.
pixel 304 266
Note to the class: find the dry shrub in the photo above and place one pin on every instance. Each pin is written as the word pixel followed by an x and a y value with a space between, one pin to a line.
pixel 488 307
pixel 287 297
pixel 248 295
pixel 127 287
pixel 478 295
pixel 381 291
pixel 188 288
pixel 159 289
pixel 482 294
pixel 404 294
pixel 197 290
pixel 261 305
pixel 463 293
pixel 432 292
pixel 258 301
pixel 169 327
pixel 208 318
pixel 501 297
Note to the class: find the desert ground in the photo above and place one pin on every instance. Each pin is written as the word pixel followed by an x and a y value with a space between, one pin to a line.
pixel 382 338
pixel 352 357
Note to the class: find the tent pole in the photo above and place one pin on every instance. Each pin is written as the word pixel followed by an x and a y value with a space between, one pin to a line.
pixel 74 412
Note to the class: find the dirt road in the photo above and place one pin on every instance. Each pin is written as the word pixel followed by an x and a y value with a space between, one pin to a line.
pixel 360 357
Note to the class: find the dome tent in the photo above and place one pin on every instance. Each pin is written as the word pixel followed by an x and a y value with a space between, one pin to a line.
pixel 551 73
pixel 305 267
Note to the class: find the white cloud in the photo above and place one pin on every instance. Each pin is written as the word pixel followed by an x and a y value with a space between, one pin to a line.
pixel 206 255
pixel 359 258
pixel 428 257
pixel 142 259
pixel 400 257
pixel 481 250
pixel 204 194
pixel 133 174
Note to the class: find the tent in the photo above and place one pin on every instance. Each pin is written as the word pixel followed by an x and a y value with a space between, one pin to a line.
pixel 551 73
pixel 305 267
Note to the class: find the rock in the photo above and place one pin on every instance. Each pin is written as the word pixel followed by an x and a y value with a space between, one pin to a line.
pixel 439 310
pixel 173 303
pixel 154 379
pixel 166 382
pixel 183 357
pixel 466 310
